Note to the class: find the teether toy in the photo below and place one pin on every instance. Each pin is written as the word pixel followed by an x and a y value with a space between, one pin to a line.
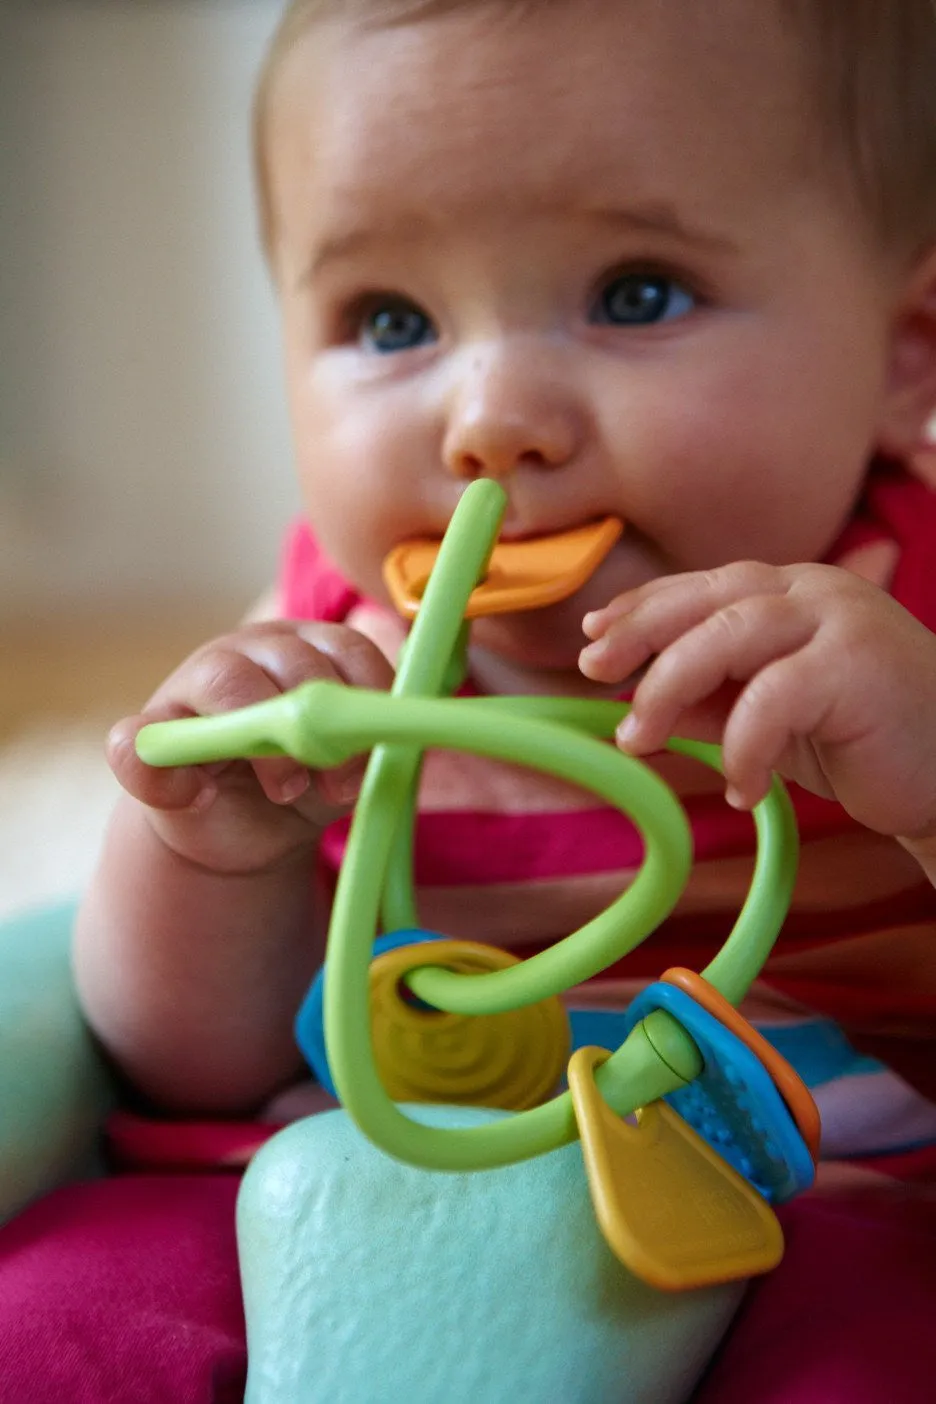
pixel 382 1048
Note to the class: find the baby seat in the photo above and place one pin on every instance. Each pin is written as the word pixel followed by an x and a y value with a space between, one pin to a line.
pixel 54 1087
pixel 369 1278
pixel 379 1282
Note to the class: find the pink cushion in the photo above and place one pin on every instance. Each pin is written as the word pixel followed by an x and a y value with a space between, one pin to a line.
pixel 127 1289
pixel 847 1318
pixel 124 1290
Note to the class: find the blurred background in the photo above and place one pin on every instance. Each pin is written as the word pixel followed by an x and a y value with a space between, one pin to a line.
pixel 145 471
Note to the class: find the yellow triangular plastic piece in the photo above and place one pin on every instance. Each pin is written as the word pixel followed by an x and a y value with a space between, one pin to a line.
pixel 671 1209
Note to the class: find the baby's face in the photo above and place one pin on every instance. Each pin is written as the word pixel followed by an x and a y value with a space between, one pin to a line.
pixel 590 252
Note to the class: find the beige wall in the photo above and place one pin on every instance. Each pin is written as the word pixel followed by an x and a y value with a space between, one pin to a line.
pixel 143 445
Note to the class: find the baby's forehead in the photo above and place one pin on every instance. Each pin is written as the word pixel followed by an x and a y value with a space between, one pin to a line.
pixel 435 112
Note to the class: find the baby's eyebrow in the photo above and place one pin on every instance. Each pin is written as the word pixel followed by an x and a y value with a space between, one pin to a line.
pixel 660 218
pixel 333 250
pixel 344 244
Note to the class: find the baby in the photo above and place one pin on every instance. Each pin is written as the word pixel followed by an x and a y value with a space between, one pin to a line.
pixel 674 263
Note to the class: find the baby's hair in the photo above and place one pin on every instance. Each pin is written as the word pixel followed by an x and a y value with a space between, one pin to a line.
pixel 872 67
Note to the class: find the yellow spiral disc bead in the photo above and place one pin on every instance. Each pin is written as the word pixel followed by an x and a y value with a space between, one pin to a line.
pixel 512 1060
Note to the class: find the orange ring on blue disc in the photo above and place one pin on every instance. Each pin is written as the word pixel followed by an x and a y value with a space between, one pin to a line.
pixel 513 1060
pixel 796 1095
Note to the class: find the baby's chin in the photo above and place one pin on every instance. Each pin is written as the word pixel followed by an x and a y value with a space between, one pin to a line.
pixel 551 638
pixel 519 660
pixel 537 639
pixel 540 647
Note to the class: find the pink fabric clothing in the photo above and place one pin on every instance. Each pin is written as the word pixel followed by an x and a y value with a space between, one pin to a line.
pixel 125 1292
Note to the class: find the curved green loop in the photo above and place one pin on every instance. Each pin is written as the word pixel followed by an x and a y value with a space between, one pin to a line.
pixel 458 724
pixel 637 1073
pixel 322 724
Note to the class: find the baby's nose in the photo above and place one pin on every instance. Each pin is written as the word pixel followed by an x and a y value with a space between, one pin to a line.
pixel 501 422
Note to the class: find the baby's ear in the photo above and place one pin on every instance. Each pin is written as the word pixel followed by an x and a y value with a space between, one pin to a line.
pixel 908 425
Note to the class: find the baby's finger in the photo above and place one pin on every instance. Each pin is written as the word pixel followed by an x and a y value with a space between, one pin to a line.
pixel 598 621
pixel 707 589
pixel 293 654
pixel 359 663
pixel 178 787
pixel 732 645
pixel 786 701
pixel 665 610
pixel 275 660
pixel 254 666
pixel 355 659
pixel 340 654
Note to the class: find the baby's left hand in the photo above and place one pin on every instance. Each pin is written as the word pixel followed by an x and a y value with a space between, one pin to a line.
pixel 805 669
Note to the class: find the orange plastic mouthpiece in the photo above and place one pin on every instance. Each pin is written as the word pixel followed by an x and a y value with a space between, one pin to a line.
pixel 521 575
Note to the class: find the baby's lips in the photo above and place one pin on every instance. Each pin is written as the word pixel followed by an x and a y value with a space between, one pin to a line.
pixel 528 574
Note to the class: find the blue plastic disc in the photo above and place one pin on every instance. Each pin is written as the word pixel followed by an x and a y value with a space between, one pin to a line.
pixel 733 1103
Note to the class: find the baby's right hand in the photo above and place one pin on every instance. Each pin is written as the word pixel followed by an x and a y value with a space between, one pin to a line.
pixel 246 816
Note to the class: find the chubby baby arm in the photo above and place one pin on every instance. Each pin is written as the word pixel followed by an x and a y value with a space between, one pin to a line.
pixel 804 669
pixel 202 926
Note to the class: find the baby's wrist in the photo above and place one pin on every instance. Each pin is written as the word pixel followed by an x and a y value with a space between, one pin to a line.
pixel 192 841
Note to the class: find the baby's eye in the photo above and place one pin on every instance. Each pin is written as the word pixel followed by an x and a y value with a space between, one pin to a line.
pixel 642 300
pixel 395 324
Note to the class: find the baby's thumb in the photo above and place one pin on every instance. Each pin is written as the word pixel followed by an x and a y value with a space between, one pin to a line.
pixel 175 787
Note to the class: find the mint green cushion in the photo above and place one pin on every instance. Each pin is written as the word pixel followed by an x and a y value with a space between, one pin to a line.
pixel 369 1282
pixel 53 1086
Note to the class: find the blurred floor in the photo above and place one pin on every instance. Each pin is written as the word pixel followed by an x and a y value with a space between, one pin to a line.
pixel 55 795
pixel 63 683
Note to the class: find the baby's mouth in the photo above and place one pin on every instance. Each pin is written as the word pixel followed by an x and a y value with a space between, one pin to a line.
pixel 524 572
